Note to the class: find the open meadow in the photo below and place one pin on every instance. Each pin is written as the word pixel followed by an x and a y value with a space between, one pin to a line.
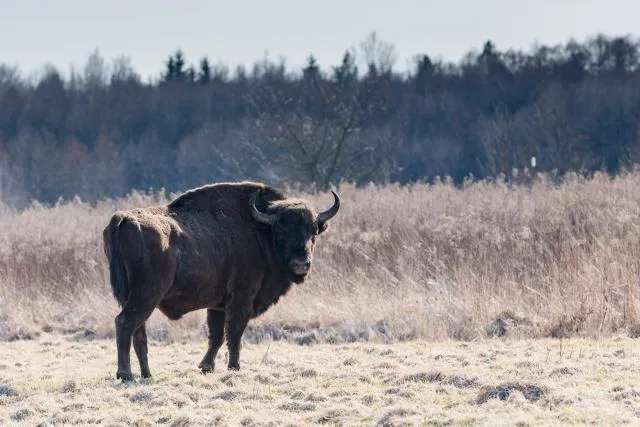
pixel 493 382
pixel 484 304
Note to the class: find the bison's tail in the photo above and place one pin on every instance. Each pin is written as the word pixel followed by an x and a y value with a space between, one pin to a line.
pixel 117 273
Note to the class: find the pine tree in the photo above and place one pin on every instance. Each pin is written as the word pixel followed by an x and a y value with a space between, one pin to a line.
pixel 347 72
pixel 169 74
pixel 179 64
pixel 311 71
pixel 204 76
pixel 190 75
pixel 424 71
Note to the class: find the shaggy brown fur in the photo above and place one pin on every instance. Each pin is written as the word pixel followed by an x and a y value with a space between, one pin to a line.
pixel 208 249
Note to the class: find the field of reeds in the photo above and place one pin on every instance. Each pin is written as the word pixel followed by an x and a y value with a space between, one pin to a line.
pixel 398 262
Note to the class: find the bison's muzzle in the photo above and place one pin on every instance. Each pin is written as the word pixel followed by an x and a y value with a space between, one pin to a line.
pixel 300 266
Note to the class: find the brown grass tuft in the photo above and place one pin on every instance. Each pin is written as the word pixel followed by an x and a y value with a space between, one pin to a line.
pixel 530 392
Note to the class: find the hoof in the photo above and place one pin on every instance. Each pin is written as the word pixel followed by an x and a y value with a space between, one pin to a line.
pixel 205 368
pixel 124 376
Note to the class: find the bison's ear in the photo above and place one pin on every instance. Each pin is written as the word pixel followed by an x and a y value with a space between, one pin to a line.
pixel 322 226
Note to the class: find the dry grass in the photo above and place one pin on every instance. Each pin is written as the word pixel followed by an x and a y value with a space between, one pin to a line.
pixel 428 262
pixel 490 382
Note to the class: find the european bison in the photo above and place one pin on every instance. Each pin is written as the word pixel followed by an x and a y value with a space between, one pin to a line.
pixel 232 248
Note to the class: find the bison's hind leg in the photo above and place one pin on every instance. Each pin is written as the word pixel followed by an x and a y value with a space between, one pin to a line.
pixel 140 347
pixel 130 320
pixel 215 323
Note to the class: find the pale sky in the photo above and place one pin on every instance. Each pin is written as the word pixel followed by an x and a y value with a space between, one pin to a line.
pixel 65 32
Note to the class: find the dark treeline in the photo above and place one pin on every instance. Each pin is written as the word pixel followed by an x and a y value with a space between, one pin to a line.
pixel 103 130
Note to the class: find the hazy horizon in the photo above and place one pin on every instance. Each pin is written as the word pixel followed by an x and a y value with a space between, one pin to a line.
pixel 35 32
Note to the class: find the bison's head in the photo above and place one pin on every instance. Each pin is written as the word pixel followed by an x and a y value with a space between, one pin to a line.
pixel 294 227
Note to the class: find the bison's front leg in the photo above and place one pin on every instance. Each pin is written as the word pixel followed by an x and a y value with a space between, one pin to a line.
pixel 237 316
pixel 215 323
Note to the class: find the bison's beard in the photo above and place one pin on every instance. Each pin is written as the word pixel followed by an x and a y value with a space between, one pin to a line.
pixel 297 278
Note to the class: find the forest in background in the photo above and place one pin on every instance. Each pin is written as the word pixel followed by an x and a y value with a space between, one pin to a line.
pixel 102 131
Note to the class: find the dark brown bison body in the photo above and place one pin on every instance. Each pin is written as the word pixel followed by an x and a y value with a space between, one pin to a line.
pixel 231 248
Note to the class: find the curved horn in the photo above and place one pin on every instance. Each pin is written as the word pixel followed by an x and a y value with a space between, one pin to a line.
pixel 257 215
pixel 332 211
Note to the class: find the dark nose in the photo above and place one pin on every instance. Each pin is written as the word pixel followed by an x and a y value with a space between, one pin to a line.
pixel 300 266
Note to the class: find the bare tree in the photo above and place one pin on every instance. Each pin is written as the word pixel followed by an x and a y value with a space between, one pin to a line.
pixel 9 75
pixel 325 135
pixel 122 70
pixel 10 183
pixel 215 153
pixel 96 71
pixel 552 134
pixel 380 56
pixel 497 139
